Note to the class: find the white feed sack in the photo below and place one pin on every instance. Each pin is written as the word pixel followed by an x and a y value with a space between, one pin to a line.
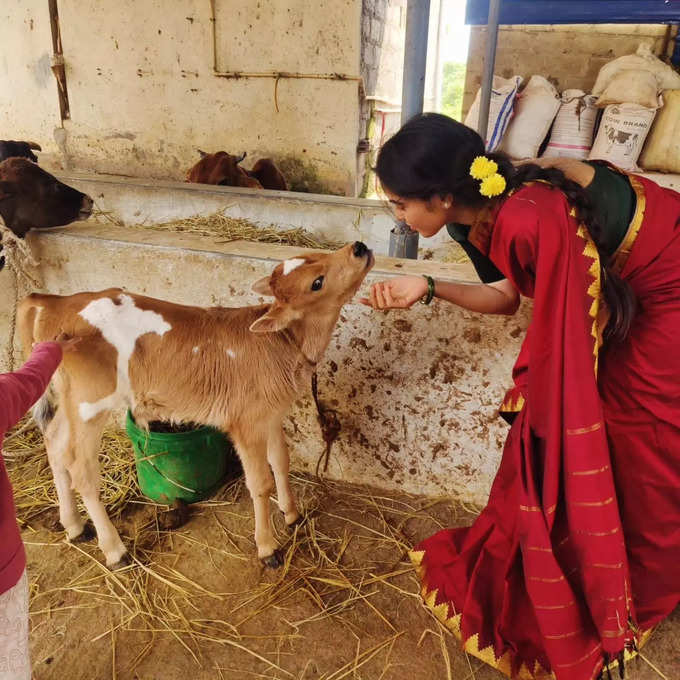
pixel 572 131
pixel 642 60
pixel 662 150
pixel 622 134
pixel 631 86
pixel 535 109
pixel 503 91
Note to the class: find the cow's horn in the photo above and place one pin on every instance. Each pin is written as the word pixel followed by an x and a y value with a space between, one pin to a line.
pixel 241 157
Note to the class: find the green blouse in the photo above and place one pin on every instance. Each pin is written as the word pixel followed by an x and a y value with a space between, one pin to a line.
pixel 614 201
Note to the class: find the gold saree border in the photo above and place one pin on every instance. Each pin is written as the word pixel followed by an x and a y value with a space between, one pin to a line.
pixel 622 253
pixel 487 654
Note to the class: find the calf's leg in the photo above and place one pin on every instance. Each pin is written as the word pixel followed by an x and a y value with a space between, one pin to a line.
pixel 279 459
pixel 84 471
pixel 252 449
pixel 58 442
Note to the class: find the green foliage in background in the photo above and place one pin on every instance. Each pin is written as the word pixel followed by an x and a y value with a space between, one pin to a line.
pixel 453 85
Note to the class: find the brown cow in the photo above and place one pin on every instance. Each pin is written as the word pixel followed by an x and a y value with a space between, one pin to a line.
pixel 236 369
pixel 31 197
pixel 224 169
pixel 221 168
pixel 268 175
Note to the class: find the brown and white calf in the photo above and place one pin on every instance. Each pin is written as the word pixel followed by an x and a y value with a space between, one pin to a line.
pixel 237 369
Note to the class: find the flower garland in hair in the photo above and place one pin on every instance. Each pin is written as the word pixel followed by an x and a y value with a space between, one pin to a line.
pixel 486 170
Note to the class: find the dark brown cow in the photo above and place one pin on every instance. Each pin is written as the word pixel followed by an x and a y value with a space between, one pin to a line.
pixel 224 169
pixel 31 197
pixel 12 149
pixel 268 175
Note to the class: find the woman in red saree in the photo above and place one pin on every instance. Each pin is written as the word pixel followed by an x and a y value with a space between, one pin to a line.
pixel 576 554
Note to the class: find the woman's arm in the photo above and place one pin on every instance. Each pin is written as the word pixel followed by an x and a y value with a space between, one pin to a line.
pixel 402 292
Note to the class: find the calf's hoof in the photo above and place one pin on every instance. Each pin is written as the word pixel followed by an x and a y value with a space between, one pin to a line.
pixel 124 561
pixel 87 534
pixel 273 561
pixel 298 522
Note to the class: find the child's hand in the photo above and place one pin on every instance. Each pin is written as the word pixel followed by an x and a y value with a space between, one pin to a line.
pixel 67 342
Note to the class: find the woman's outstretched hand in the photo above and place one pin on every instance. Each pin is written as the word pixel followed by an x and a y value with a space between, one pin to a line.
pixel 400 292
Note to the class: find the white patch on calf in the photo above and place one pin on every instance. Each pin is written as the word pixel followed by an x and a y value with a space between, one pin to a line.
pixel 231 353
pixel 195 350
pixel 121 325
pixel 289 265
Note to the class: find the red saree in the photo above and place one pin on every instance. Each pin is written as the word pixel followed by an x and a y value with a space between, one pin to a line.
pixel 578 547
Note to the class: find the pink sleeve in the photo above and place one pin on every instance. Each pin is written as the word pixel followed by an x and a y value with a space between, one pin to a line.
pixel 21 389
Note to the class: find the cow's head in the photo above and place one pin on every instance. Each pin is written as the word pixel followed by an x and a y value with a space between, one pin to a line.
pixel 10 149
pixel 311 285
pixel 31 197
pixel 223 169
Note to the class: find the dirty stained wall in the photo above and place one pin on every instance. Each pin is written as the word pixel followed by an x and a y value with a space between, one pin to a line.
pixel 144 96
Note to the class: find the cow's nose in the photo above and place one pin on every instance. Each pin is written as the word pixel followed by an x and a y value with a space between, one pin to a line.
pixel 359 249
pixel 86 204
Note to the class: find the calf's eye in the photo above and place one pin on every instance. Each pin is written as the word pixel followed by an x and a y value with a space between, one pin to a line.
pixel 317 283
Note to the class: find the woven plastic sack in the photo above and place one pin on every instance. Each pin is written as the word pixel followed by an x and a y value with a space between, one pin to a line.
pixel 572 132
pixel 662 150
pixel 503 92
pixel 535 109
pixel 622 134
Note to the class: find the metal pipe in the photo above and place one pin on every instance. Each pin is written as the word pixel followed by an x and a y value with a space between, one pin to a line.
pixel 404 241
pixel 415 58
pixel 489 64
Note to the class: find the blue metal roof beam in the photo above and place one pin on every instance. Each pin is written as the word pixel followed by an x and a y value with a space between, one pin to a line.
pixel 577 12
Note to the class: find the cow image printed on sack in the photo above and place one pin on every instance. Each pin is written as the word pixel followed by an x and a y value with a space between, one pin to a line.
pixel 622 134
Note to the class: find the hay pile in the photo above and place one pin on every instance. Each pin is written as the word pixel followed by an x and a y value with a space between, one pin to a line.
pixel 224 229
pixel 345 567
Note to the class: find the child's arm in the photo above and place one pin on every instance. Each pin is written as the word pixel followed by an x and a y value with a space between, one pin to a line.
pixel 21 389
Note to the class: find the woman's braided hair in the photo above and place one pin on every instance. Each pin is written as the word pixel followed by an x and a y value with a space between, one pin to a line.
pixel 431 156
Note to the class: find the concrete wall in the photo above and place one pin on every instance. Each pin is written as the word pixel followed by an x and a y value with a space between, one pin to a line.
pixel 571 56
pixel 144 97
pixel 416 391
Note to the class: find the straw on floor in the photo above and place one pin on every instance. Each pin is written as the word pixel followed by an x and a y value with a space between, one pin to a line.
pixel 155 595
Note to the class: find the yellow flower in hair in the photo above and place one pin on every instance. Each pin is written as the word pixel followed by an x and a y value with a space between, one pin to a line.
pixel 483 167
pixel 493 185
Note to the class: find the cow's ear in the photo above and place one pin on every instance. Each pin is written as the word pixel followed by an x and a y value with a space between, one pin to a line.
pixel 6 190
pixel 203 153
pixel 276 319
pixel 263 287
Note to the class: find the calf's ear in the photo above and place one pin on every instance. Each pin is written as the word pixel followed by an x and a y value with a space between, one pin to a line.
pixel 263 287
pixel 276 319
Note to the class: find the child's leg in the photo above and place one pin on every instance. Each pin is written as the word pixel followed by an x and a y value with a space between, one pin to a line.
pixel 15 662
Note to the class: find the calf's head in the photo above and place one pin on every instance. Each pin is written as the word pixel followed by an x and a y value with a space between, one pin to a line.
pixel 313 286
pixel 31 197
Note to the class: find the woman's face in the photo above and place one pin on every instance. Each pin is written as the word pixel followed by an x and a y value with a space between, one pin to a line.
pixel 425 217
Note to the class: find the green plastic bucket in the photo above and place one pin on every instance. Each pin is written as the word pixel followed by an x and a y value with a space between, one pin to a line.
pixel 189 466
